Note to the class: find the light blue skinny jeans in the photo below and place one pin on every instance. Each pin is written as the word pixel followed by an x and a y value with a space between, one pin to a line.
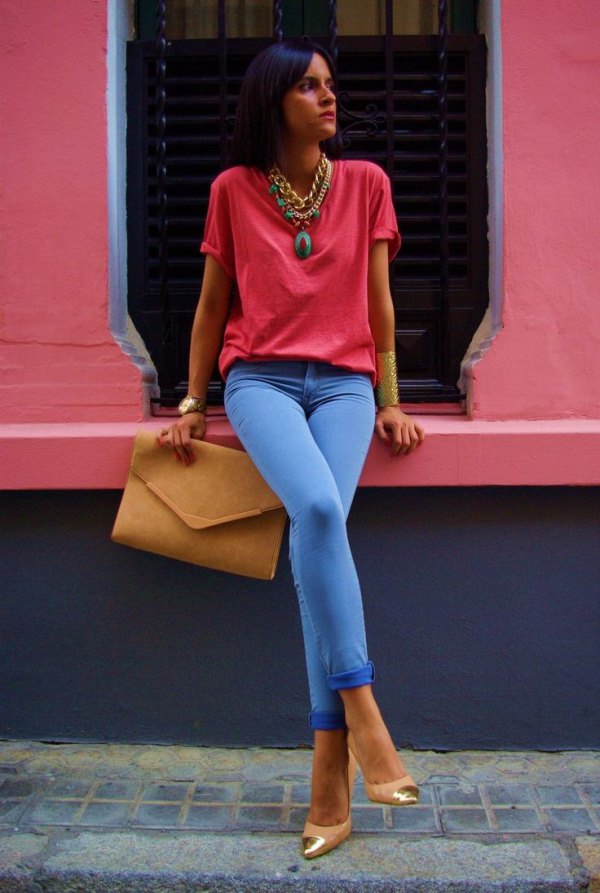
pixel 307 427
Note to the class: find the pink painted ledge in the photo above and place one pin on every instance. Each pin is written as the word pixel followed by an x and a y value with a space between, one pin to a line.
pixel 457 452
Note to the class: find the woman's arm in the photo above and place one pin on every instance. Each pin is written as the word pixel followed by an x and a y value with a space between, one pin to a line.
pixel 207 334
pixel 392 425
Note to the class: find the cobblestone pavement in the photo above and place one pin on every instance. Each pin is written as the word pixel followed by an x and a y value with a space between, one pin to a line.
pixel 212 789
pixel 546 799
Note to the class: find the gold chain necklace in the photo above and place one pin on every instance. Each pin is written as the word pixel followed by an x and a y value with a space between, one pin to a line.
pixel 292 197
pixel 301 212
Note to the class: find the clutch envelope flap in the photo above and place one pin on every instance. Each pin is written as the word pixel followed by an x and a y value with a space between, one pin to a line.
pixel 220 486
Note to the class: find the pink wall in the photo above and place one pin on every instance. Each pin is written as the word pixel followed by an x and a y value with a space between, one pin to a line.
pixel 58 359
pixel 546 361
pixel 60 365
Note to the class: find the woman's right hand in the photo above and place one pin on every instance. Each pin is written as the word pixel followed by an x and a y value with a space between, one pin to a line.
pixel 178 437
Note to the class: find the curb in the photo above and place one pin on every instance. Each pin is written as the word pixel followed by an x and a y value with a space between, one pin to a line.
pixel 157 862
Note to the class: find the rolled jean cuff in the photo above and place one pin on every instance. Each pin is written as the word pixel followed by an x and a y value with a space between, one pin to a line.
pixel 320 719
pixel 352 678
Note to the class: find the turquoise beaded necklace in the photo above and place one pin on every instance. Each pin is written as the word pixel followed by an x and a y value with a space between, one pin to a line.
pixel 301 212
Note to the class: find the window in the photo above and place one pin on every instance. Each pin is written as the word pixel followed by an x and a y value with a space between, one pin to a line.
pixel 188 19
pixel 400 74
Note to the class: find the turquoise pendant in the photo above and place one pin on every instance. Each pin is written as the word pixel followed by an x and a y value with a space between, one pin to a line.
pixel 303 245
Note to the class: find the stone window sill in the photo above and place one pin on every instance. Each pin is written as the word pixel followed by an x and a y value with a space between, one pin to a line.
pixel 457 452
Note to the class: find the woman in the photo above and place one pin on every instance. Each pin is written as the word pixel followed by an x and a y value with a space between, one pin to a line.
pixel 307 332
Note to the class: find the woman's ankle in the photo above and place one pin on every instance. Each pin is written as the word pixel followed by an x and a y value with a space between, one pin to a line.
pixel 329 802
pixel 360 707
pixel 373 743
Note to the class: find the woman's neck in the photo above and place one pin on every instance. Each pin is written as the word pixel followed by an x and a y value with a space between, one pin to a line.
pixel 299 166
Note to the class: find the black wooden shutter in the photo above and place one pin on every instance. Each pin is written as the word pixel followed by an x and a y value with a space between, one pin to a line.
pixel 430 343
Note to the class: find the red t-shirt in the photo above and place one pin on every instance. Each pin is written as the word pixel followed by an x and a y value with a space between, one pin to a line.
pixel 286 308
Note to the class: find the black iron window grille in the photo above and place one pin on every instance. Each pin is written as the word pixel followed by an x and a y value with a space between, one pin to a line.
pixel 413 104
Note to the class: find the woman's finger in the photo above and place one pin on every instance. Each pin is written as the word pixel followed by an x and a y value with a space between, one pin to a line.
pixel 179 444
pixel 401 439
pixel 381 431
pixel 406 439
pixel 412 439
pixel 417 435
pixel 164 437
pixel 400 431
pixel 172 439
pixel 186 445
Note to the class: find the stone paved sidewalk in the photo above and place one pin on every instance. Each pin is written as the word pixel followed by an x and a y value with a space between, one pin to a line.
pixel 491 797
pixel 121 786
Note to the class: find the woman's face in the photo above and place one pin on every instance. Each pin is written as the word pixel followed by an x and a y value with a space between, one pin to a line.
pixel 308 108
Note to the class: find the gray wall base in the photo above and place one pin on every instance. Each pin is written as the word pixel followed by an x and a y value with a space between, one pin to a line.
pixel 481 605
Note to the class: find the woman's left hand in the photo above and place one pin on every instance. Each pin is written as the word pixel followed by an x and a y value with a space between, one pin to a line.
pixel 398 429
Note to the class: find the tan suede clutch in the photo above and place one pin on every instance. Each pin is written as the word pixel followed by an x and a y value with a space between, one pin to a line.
pixel 217 512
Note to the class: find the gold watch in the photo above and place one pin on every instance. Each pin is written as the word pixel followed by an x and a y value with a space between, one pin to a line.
pixel 192 404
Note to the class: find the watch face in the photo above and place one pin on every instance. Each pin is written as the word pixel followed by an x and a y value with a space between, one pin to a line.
pixel 190 404
pixel 186 404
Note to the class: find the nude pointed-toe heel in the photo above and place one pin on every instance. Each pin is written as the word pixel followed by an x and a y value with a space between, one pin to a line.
pixel 320 839
pixel 400 792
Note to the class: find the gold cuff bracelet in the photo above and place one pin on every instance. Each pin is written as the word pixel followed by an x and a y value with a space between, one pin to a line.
pixel 386 388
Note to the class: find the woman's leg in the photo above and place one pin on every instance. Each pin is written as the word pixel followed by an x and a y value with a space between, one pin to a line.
pixel 268 406
pixel 378 754
pixel 328 421
pixel 314 467
pixel 379 759
pixel 329 801
pixel 341 422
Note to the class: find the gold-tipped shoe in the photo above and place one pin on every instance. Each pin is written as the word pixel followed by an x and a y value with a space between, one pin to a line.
pixel 320 839
pixel 400 792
